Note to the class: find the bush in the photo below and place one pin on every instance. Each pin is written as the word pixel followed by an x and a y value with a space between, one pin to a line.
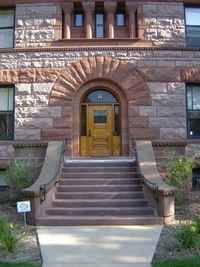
pixel 179 174
pixel 188 236
pixel 8 236
pixel 18 176
pixel 197 224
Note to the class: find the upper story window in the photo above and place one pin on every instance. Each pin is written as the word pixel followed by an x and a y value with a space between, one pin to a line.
pixel 6 112
pixel 193 111
pixel 7 28
pixel 99 24
pixel 120 17
pixel 192 17
pixel 78 15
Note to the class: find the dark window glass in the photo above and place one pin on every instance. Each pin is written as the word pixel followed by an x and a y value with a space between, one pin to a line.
pixel 100 116
pixel 100 97
pixel 120 19
pixel 78 19
pixel 83 120
pixel 7 28
pixel 6 112
pixel 99 25
pixel 196 178
pixel 117 120
pixel 193 110
pixel 192 17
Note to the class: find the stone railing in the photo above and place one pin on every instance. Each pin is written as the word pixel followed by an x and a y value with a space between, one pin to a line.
pixel 160 195
pixel 48 177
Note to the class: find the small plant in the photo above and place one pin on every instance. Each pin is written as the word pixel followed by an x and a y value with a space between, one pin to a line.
pixel 187 236
pixel 8 236
pixel 17 176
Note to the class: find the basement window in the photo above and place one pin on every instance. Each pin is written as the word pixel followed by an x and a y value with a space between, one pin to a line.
pixel 6 112
pixel 196 179
pixel 7 28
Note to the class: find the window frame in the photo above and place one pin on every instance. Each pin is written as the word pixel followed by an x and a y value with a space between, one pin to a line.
pixel 96 25
pixel 190 110
pixel 75 13
pixel 186 25
pixel 10 112
pixel 9 28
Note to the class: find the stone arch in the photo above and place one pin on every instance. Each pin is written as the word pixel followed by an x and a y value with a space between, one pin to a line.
pixel 119 76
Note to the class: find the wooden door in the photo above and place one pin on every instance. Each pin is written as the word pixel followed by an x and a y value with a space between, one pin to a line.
pixel 100 130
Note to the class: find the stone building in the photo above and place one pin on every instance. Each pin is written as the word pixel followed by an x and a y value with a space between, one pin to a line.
pixel 99 75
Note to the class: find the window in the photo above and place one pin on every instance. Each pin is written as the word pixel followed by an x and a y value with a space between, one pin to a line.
pixel 99 25
pixel 6 28
pixel 193 110
pixel 100 97
pixel 120 15
pixel 6 112
pixel 78 19
pixel 120 19
pixel 192 17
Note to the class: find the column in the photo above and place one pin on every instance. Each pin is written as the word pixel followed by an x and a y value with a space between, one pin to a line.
pixel 131 9
pixel 89 10
pixel 67 9
pixel 110 8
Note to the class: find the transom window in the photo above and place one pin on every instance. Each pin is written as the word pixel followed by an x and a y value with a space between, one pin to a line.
pixel 193 110
pixel 6 112
pixel 100 97
pixel 192 17
pixel 7 28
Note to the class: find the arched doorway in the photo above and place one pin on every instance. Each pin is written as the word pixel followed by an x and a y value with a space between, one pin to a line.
pixel 100 124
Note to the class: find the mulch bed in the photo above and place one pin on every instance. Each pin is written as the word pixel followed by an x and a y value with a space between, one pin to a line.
pixel 168 246
pixel 27 248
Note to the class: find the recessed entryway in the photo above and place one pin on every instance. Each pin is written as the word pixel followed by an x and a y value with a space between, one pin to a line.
pixel 100 124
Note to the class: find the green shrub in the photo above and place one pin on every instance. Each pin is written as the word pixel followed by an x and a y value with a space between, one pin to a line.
pixel 8 236
pixel 188 236
pixel 18 176
pixel 179 174
pixel 197 224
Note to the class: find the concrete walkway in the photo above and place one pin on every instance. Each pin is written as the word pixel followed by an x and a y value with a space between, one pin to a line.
pixel 118 246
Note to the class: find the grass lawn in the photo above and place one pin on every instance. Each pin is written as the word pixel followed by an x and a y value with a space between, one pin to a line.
pixel 18 265
pixel 193 262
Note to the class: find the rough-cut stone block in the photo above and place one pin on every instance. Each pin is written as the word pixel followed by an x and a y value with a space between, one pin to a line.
pixel 157 87
pixel 171 111
pixel 23 89
pixel 147 111
pixel 42 88
pixel 34 122
pixel 173 133
pixel 168 122
pixel 38 112
pixel 27 134
pixel 31 100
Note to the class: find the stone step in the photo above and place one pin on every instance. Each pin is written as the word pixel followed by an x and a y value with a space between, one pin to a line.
pixel 99 169
pixel 99 163
pixel 98 220
pixel 110 181
pixel 97 175
pixel 78 203
pixel 98 188
pixel 100 195
pixel 135 211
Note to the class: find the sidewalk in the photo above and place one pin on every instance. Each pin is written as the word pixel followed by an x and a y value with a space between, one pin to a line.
pixel 120 246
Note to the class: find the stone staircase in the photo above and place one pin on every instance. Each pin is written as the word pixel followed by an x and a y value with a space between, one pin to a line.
pixel 98 192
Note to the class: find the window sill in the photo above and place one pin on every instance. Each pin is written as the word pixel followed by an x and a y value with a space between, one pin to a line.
pixel 105 42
